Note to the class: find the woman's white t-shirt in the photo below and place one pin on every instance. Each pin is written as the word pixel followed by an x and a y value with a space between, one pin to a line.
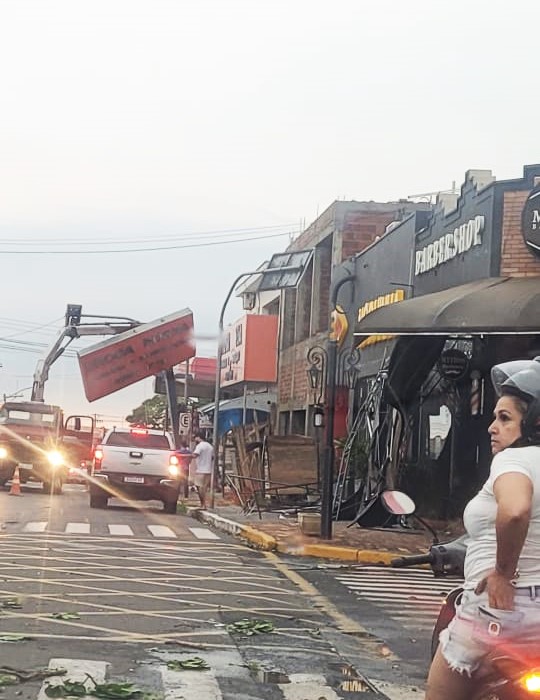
pixel 480 513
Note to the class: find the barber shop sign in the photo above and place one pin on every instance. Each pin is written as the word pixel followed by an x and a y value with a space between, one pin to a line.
pixel 530 221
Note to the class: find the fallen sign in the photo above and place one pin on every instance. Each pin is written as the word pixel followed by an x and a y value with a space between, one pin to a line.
pixel 136 354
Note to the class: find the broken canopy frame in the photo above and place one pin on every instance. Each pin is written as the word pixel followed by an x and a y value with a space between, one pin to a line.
pixel 491 306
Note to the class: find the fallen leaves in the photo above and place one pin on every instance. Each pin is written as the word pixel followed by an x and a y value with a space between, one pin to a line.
pixel 195 663
pixel 250 627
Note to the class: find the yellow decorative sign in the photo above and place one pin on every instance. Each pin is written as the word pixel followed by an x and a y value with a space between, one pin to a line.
pixel 384 300
pixel 339 325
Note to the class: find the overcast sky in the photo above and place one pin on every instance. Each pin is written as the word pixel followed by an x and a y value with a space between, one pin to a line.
pixel 139 123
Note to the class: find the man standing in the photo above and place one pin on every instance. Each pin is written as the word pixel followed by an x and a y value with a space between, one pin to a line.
pixel 203 454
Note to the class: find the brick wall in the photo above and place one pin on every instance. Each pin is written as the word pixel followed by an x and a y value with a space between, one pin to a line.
pixel 293 385
pixel 361 229
pixel 516 259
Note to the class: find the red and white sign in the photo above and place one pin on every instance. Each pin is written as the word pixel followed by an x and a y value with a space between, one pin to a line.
pixel 250 350
pixel 136 354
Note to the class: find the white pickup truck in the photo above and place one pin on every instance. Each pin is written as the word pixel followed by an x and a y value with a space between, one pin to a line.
pixel 138 464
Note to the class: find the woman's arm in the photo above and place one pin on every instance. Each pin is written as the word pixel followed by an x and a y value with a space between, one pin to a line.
pixel 513 492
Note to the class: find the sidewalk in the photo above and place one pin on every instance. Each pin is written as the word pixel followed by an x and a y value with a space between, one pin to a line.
pixel 353 544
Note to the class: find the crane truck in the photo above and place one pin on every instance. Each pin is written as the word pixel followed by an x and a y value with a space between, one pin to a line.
pixel 35 436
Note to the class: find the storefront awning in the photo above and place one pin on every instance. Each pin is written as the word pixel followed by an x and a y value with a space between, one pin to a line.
pixel 494 305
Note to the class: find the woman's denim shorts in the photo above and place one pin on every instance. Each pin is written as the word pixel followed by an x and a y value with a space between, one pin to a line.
pixel 477 628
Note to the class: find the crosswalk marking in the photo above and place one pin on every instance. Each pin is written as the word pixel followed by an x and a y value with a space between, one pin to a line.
pixel 227 669
pixel 203 533
pixel 395 691
pixel 188 684
pixel 303 686
pixel 161 531
pixel 77 670
pixel 412 597
pixel 36 526
pixel 120 530
pixel 77 529
pixel 116 530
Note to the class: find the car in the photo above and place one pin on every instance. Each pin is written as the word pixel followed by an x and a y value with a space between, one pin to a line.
pixel 79 475
pixel 138 464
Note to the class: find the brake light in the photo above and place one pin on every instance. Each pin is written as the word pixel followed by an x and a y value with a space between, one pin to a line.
pixel 98 456
pixel 138 431
pixel 174 460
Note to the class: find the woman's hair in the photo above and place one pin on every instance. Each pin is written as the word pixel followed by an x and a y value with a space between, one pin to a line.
pixel 520 403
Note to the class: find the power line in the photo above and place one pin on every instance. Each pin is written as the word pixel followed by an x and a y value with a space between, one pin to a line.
pixel 154 239
pixel 141 250
pixel 33 329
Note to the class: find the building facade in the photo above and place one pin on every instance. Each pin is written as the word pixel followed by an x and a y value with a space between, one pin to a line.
pixel 340 232
pixel 482 239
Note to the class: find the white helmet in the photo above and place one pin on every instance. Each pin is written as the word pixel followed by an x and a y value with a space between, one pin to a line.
pixel 521 378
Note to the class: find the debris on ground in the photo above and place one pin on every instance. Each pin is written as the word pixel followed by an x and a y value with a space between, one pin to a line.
pixel 195 663
pixel 250 626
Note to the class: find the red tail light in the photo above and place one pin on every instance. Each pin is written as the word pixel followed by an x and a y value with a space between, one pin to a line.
pixel 174 460
pixel 98 456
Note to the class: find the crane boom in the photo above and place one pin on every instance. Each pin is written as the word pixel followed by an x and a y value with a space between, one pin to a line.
pixel 72 330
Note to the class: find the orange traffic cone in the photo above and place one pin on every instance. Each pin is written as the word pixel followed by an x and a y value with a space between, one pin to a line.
pixel 15 489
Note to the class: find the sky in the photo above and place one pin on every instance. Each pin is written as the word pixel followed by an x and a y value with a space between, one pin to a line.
pixel 227 126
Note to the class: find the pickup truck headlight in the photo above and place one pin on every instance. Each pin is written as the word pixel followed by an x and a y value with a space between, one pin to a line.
pixel 3 453
pixel 56 459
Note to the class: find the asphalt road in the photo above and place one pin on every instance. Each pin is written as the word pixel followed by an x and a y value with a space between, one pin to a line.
pixel 123 592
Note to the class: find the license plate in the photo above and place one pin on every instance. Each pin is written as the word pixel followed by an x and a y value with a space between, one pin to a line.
pixel 25 465
pixel 134 479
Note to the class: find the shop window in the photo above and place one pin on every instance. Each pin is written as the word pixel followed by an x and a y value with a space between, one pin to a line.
pixel 298 423
pixel 284 421
pixel 288 318
pixel 439 430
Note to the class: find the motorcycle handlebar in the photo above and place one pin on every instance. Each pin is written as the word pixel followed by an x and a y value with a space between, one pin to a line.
pixel 413 560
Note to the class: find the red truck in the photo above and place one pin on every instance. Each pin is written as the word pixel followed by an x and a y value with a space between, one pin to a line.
pixel 35 437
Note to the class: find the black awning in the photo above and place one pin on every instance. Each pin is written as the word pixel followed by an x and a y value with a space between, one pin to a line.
pixel 492 305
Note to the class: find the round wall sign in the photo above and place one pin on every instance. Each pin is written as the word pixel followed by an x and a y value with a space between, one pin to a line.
pixel 530 221
pixel 453 363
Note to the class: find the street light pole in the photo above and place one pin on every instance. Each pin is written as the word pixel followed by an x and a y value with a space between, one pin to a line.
pixel 328 467
pixel 217 388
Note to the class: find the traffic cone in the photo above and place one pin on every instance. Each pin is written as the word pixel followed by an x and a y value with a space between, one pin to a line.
pixel 15 489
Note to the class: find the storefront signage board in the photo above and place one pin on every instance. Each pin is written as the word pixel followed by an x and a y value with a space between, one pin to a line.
pixel 530 221
pixel 250 350
pixel 445 248
pixel 136 354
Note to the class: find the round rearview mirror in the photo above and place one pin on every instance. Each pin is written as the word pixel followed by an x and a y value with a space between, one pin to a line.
pixel 398 503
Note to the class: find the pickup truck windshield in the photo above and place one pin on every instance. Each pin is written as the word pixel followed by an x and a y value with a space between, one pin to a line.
pixel 158 442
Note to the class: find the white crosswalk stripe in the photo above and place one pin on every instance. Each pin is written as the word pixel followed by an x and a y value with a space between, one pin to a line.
pixel 187 684
pixel 203 533
pixel 412 597
pixel 161 531
pixel 77 670
pixel 120 530
pixel 78 529
pixel 304 685
pixel 36 526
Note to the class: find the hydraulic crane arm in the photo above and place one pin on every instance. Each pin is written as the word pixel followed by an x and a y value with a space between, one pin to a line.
pixel 72 330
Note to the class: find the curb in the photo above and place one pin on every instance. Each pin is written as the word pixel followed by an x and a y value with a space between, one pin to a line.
pixel 269 543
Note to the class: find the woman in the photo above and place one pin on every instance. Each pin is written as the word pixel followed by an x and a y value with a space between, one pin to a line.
pixel 501 601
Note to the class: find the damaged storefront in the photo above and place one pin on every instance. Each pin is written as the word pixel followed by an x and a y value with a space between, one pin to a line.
pixel 472 299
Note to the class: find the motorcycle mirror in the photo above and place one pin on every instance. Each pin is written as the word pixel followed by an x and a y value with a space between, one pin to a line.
pixel 398 503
